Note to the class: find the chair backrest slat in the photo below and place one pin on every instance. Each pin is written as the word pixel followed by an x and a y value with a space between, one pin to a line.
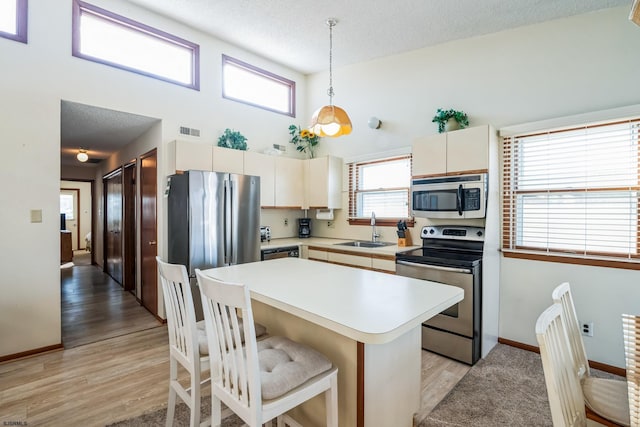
pixel 562 295
pixel 563 384
pixel 227 308
pixel 181 318
pixel 631 335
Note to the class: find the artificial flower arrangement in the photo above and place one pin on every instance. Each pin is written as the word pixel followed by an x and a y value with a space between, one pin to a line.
pixel 304 140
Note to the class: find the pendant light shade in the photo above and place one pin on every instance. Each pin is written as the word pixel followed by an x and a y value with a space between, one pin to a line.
pixel 330 120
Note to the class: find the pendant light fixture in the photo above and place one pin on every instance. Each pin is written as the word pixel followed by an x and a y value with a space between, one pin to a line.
pixel 82 155
pixel 330 120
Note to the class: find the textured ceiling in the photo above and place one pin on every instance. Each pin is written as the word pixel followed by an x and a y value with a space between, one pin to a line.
pixel 98 130
pixel 294 33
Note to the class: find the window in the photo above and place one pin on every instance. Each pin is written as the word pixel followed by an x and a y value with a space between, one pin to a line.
pixel 572 195
pixel 380 186
pixel 107 38
pixel 66 206
pixel 13 20
pixel 251 85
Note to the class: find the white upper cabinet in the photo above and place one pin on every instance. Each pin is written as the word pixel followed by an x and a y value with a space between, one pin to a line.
pixel 263 166
pixel 184 155
pixel 464 150
pixel 323 181
pixel 228 160
pixel 289 178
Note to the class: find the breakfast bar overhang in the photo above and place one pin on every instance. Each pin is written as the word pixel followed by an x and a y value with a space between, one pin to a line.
pixel 366 322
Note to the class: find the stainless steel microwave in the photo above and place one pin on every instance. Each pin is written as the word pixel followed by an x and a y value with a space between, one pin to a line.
pixel 462 196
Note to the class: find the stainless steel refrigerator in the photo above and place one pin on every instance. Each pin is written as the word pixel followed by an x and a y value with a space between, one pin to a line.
pixel 214 220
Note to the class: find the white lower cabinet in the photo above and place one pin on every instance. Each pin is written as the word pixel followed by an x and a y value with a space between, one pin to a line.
pixel 369 261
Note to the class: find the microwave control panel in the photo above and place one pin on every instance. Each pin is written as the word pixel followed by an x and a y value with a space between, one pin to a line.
pixel 472 200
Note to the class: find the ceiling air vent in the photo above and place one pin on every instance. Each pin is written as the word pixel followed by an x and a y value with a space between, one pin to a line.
pixel 189 131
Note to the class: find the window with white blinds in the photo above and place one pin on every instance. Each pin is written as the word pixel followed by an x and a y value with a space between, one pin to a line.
pixel 380 186
pixel 573 192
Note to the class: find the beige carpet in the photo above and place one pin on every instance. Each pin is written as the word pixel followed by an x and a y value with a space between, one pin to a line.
pixel 505 389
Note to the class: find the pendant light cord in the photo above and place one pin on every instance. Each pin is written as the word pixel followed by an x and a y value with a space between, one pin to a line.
pixel 331 22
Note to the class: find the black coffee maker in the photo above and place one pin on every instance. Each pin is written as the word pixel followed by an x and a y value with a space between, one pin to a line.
pixel 304 227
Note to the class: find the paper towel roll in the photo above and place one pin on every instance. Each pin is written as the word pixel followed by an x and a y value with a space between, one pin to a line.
pixel 326 214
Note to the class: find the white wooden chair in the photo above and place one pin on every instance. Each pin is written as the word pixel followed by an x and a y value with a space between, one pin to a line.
pixel 631 336
pixel 606 398
pixel 187 343
pixel 266 378
pixel 563 385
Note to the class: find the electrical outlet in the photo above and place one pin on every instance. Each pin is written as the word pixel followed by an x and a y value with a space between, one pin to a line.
pixel 330 224
pixel 587 329
pixel 286 222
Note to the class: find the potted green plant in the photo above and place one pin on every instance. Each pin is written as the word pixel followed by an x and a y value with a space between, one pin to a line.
pixel 304 140
pixel 232 139
pixel 450 120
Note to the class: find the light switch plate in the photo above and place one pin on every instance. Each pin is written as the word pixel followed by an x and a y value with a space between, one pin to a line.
pixel 36 215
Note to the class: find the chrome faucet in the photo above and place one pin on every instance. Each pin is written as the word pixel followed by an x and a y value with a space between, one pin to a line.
pixel 374 235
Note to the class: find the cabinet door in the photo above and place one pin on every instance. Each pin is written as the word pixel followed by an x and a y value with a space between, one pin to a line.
pixel 323 183
pixel 289 180
pixel 263 166
pixel 430 155
pixel 228 160
pixel 184 155
pixel 468 149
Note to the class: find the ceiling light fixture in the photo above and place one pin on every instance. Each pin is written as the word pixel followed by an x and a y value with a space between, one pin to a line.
pixel 82 155
pixel 330 120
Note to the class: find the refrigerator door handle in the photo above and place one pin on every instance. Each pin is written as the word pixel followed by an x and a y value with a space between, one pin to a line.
pixel 228 217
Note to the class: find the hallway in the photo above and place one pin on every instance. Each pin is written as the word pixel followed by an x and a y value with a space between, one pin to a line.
pixel 94 307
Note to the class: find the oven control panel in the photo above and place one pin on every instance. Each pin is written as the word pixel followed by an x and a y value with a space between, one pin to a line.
pixel 453 232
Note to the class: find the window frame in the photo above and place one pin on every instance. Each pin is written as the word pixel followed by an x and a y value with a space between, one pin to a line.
pixel 510 213
pixel 80 7
pixel 22 12
pixel 260 72
pixel 353 177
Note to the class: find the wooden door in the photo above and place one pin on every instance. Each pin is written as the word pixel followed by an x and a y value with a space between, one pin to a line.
pixel 113 225
pixel 148 231
pixel 129 227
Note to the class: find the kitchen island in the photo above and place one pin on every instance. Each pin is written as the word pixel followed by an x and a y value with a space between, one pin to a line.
pixel 366 322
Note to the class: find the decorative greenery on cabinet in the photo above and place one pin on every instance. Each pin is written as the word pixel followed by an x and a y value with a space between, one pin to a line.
pixel 232 139
pixel 443 118
pixel 304 140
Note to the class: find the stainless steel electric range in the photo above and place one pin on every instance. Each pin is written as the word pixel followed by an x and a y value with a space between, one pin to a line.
pixel 451 255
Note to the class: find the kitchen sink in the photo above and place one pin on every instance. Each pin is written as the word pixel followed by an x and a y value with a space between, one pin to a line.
pixel 365 244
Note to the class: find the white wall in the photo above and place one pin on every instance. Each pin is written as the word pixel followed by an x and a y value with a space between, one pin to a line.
pixel 554 69
pixel 558 68
pixel 35 78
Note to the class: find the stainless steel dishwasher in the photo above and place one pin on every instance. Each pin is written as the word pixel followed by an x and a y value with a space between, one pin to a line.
pixel 281 252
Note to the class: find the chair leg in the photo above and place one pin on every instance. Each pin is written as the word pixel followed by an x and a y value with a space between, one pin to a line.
pixel 195 400
pixel 331 402
pixel 171 405
pixel 216 411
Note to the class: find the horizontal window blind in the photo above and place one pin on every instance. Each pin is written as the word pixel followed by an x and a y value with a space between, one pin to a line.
pixel 380 186
pixel 573 192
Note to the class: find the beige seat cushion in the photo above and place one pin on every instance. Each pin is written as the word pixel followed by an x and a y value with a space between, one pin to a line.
pixel 286 364
pixel 202 334
pixel 607 398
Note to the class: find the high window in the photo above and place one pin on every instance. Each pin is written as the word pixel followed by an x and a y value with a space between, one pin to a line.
pixel 107 38
pixel 251 85
pixel 572 195
pixel 380 186
pixel 13 20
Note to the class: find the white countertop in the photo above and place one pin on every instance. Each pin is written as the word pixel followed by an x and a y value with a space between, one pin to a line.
pixel 331 243
pixel 364 305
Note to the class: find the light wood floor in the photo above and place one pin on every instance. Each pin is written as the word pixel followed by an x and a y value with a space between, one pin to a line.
pixel 124 376
pixel 94 307
pixel 119 378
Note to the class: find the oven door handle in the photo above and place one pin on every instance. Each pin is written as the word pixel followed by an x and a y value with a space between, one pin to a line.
pixel 435 267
